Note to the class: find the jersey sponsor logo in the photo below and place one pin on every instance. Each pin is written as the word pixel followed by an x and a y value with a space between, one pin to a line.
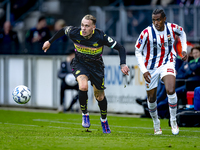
pixel 88 50
pixel 155 45
pixel 77 72
pixel 110 39
pixel 163 44
pixel 170 70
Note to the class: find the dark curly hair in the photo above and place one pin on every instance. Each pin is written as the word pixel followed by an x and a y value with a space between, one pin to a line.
pixel 159 11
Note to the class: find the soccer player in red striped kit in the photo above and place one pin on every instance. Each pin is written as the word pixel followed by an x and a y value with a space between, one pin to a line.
pixel 156 58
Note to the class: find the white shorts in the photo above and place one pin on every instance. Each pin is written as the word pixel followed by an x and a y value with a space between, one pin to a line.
pixel 167 69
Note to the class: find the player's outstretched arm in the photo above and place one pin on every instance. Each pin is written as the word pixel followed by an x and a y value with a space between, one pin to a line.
pixel 125 69
pixel 57 35
pixel 46 46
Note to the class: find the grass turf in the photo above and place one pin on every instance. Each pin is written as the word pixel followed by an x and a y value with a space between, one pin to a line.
pixel 21 130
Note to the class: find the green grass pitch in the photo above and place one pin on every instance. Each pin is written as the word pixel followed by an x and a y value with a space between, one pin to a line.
pixel 28 130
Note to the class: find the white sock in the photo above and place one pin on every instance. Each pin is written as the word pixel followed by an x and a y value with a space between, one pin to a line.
pixel 153 111
pixel 85 114
pixel 172 100
pixel 102 120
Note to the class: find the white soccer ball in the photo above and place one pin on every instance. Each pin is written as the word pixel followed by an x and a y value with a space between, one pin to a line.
pixel 21 94
pixel 70 79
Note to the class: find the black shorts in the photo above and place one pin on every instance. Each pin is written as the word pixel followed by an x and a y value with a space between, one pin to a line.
pixel 93 70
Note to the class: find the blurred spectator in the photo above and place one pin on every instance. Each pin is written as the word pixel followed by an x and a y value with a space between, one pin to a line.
pixel 62 44
pixel 136 2
pixel 9 43
pixel 164 3
pixel 188 13
pixel 68 81
pixel 2 12
pixel 40 33
pixel 36 36
pixel 191 68
pixel 19 7
pixel 178 48
pixel 137 21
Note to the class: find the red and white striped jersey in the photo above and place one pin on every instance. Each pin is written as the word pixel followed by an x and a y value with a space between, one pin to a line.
pixel 155 48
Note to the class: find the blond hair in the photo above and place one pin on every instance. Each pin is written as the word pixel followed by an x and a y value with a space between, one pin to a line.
pixel 90 17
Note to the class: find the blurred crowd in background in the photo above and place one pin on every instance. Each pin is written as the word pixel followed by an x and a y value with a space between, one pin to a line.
pixel 18 38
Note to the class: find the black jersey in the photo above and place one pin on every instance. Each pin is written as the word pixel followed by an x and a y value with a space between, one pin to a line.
pixel 89 49
pixel 88 53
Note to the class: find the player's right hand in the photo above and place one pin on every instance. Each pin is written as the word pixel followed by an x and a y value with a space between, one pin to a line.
pixel 184 58
pixel 46 46
pixel 124 69
pixel 147 76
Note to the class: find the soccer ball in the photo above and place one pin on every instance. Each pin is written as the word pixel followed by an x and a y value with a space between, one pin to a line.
pixel 21 94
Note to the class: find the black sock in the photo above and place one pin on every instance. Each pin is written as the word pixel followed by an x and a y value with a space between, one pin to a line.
pixel 103 107
pixel 83 99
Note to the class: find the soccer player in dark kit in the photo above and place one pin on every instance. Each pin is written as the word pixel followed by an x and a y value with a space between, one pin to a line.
pixel 88 63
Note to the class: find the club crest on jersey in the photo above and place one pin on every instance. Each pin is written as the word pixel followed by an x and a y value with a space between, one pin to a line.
pixel 110 39
pixel 169 36
pixel 140 41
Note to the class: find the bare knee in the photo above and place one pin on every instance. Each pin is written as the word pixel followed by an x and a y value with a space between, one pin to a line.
pixel 151 99
pixel 99 96
pixel 170 91
pixel 83 87
pixel 82 82
pixel 151 95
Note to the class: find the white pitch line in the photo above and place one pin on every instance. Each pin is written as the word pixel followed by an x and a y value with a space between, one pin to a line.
pixel 46 120
pixel 44 126
pixel 97 130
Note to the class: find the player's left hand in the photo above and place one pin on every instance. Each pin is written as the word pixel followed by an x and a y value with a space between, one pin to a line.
pixel 184 58
pixel 46 46
pixel 124 69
